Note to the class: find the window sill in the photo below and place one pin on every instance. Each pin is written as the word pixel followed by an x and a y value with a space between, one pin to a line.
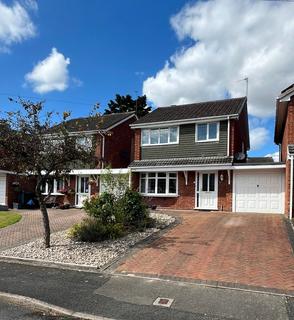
pixel 159 144
pixel 207 141
pixel 159 195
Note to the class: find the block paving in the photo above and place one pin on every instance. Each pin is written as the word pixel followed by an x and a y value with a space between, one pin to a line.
pixel 30 227
pixel 245 249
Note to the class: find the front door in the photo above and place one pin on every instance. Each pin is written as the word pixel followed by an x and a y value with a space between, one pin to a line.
pixel 206 190
pixel 82 190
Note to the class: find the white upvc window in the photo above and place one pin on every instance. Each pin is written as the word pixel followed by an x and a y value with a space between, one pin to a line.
pixel 159 184
pixel 84 142
pixel 160 136
pixel 58 184
pixel 207 132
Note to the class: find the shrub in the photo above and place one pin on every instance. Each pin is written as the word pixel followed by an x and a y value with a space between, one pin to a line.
pixel 101 208
pixel 93 230
pixel 132 208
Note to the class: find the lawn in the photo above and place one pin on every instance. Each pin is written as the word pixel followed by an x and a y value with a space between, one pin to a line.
pixel 7 218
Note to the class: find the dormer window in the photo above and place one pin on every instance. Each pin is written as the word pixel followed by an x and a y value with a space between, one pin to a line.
pixel 207 131
pixel 160 136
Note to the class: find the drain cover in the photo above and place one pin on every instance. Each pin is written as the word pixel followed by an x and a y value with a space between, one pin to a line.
pixel 163 302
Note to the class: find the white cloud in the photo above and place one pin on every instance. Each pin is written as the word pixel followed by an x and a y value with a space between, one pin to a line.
pixel 50 74
pixel 258 138
pixel 231 40
pixel 274 155
pixel 15 25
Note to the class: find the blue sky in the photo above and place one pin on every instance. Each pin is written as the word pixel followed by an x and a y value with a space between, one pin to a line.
pixel 169 50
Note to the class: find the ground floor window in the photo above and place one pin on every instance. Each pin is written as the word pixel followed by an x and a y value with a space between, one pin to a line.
pixel 159 183
pixel 55 186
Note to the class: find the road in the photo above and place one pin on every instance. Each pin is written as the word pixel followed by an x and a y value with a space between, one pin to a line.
pixel 123 297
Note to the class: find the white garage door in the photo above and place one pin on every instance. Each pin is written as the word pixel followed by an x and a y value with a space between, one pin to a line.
pixel 259 191
pixel 2 188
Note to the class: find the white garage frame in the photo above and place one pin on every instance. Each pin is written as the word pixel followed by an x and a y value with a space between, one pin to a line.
pixel 264 170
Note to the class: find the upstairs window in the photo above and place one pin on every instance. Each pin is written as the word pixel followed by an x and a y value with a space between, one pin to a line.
pixel 207 131
pixel 160 136
pixel 84 142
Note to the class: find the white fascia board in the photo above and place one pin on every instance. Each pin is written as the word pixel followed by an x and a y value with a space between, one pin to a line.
pixel 258 167
pixel 286 96
pixel 98 171
pixel 182 168
pixel 7 172
pixel 183 121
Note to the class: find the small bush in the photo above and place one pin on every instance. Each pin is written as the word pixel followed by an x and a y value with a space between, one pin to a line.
pixel 101 207
pixel 93 230
pixel 133 210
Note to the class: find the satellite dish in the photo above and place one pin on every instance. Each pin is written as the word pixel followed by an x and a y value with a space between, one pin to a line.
pixel 240 156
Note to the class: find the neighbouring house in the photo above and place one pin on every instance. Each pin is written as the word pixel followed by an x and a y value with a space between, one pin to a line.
pixel 112 139
pixel 284 137
pixel 15 189
pixel 194 156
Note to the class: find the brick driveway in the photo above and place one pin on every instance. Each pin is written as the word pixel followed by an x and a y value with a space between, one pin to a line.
pixel 31 227
pixel 248 249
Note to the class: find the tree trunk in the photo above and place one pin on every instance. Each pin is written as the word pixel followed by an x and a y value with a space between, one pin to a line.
pixel 45 217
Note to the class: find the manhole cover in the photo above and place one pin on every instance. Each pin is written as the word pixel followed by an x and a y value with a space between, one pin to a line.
pixel 163 302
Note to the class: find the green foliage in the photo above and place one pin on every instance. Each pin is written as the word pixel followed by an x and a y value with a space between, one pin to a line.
pixel 116 184
pixel 101 207
pixel 127 104
pixel 93 230
pixel 112 214
pixel 133 209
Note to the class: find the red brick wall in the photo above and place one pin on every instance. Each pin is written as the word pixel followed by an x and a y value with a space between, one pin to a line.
pixel 288 138
pixel 26 184
pixel 137 144
pixel 238 132
pixel 118 145
pixel 186 197
pixel 225 191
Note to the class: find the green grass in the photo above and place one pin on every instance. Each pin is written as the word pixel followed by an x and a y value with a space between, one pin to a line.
pixel 7 218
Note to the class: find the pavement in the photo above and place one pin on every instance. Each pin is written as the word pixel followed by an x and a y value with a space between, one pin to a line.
pixel 30 227
pixel 246 250
pixel 12 311
pixel 128 297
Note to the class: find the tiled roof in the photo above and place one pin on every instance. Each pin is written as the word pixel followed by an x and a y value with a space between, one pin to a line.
pixel 95 123
pixel 195 110
pixel 181 162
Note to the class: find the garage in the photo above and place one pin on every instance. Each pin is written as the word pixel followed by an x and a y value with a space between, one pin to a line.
pixel 2 189
pixel 259 191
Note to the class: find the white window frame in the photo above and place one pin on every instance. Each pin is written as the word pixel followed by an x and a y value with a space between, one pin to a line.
pixel 207 131
pixel 54 191
pixel 88 142
pixel 158 141
pixel 156 194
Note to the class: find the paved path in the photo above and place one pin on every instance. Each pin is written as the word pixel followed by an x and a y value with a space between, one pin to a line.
pixel 247 249
pixel 129 298
pixel 31 226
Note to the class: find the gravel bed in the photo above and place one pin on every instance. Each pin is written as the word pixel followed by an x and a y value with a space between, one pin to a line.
pixel 98 254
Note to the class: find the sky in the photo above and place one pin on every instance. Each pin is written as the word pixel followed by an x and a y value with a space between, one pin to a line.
pixel 73 54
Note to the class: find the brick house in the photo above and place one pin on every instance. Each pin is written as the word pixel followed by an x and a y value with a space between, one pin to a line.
pixel 284 137
pixel 111 137
pixel 195 157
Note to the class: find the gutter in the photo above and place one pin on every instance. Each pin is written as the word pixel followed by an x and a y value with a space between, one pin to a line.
pixel 103 147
